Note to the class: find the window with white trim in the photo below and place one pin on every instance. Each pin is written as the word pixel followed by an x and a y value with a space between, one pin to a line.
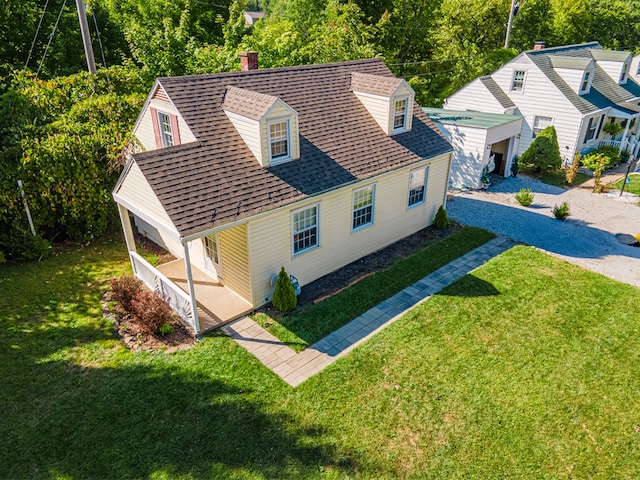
pixel 363 207
pixel 418 186
pixel 166 134
pixel 211 248
pixel 625 73
pixel 585 82
pixel 517 83
pixel 305 228
pixel 400 114
pixel 539 124
pixel 592 127
pixel 279 140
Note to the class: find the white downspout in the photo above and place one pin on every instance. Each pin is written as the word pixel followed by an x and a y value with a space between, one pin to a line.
pixel 192 292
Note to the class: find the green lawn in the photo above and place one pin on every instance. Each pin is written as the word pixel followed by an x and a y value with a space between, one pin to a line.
pixel 302 328
pixel 556 178
pixel 633 186
pixel 529 368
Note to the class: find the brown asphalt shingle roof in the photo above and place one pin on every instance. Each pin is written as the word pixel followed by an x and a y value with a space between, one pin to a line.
pixel 247 103
pixel 217 180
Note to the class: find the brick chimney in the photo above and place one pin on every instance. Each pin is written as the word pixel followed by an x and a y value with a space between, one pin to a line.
pixel 248 61
pixel 539 45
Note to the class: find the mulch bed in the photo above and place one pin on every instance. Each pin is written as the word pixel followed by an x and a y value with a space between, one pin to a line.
pixel 137 338
pixel 337 281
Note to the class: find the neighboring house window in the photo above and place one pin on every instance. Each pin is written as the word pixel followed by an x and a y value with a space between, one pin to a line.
pixel 625 72
pixel 279 139
pixel 638 69
pixel 400 114
pixel 305 228
pixel 540 123
pixel 166 134
pixel 592 126
pixel 418 185
pixel 363 207
pixel 585 82
pixel 517 84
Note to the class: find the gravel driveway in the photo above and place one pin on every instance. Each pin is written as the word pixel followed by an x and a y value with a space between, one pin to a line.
pixel 586 238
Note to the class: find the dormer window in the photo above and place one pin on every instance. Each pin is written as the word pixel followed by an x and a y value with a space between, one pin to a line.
pixel 166 133
pixel 400 114
pixel 279 140
pixel 625 73
pixel 517 84
pixel 389 100
pixel 585 82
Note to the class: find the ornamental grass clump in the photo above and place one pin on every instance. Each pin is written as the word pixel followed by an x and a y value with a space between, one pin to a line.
pixel 525 197
pixel 561 212
pixel 284 296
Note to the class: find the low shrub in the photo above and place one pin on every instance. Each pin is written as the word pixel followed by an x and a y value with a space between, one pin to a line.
pixel 151 311
pixel 165 329
pixel 571 172
pixel 22 245
pixel 284 296
pixel 561 212
pixel 441 219
pixel 525 197
pixel 124 290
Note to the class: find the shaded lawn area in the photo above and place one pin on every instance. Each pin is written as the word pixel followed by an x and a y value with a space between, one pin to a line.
pixel 305 327
pixel 632 187
pixel 556 178
pixel 528 368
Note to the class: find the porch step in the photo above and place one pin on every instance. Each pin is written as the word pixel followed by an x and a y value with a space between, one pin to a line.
pixel 206 317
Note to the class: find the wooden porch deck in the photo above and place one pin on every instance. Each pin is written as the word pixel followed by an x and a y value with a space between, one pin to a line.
pixel 217 304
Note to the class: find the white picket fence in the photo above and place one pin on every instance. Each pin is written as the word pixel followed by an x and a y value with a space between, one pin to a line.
pixel 177 298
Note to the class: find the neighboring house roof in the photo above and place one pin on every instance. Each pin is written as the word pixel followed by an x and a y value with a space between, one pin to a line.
pixel 466 118
pixel 561 61
pixel 217 180
pixel 252 17
pixel 604 91
pixel 497 92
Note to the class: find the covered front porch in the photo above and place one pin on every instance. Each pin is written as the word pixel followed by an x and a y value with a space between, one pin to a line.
pixel 216 303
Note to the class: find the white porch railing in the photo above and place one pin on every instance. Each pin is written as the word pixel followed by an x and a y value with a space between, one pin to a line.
pixel 177 298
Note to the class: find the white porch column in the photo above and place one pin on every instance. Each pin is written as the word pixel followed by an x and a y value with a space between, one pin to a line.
pixel 125 220
pixel 623 142
pixel 192 292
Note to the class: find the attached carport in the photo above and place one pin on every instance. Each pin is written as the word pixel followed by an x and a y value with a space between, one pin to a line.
pixel 479 140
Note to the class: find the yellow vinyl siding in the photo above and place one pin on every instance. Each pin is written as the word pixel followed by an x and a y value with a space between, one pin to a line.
pixel 234 253
pixel 271 242
pixel 379 109
pixel 249 130
pixel 144 130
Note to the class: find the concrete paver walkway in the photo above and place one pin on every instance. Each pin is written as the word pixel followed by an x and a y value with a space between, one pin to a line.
pixel 294 368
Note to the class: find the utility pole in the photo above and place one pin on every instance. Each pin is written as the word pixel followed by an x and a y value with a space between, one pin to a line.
pixel 86 37
pixel 511 15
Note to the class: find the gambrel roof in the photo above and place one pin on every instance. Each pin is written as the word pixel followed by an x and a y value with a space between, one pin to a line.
pixel 216 179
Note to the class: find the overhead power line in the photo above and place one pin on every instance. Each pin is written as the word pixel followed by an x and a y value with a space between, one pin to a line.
pixel 36 34
pixel 53 31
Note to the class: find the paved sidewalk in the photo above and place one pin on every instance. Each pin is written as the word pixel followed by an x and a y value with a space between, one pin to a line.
pixel 294 368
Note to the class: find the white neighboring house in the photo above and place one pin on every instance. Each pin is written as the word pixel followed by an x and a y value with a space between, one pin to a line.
pixel 479 140
pixel 576 88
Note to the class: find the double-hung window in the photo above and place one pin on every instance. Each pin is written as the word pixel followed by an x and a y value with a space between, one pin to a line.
pixel 592 127
pixel 279 140
pixel 624 74
pixel 166 134
pixel 517 83
pixel 305 228
pixel 400 114
pixel 418 186
pixel 585 82
pixel 363 207
pixel 539 124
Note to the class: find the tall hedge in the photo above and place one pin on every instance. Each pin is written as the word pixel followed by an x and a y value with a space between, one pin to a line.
pixel 544 153
pixel 64 139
